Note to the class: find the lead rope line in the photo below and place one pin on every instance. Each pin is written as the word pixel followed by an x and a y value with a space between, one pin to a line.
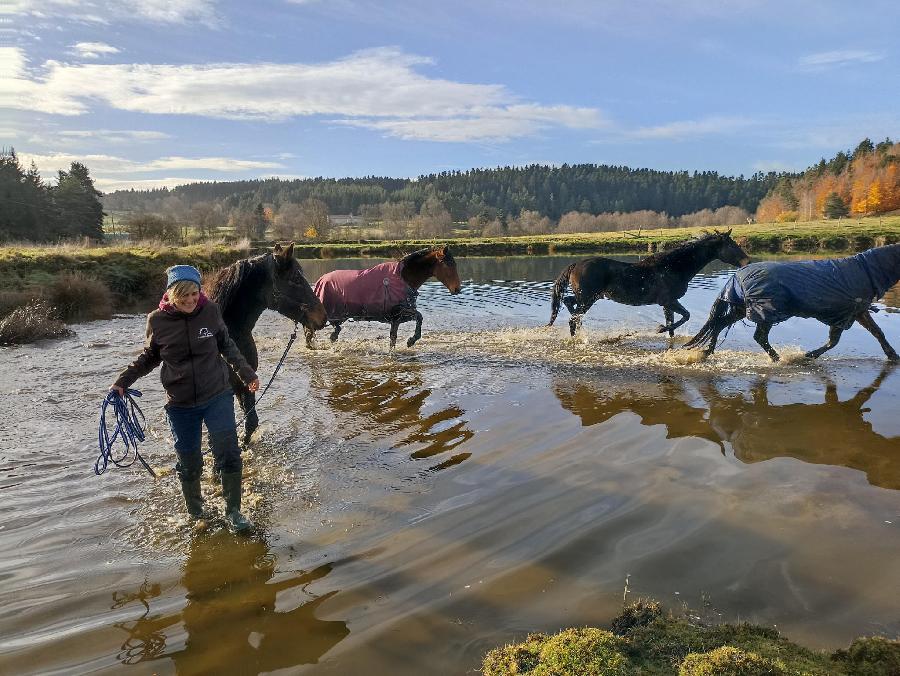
pixel 129 431
pixel 274 373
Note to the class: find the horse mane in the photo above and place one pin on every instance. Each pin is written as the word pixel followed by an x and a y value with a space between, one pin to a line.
pixel 229 279
pixel 677 253
pixel 415 256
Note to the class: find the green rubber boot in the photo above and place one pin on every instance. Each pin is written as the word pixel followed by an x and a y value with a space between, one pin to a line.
pixel 193 498
pixel 231 490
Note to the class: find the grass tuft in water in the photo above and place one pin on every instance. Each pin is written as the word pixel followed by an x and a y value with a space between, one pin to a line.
pixel 644 640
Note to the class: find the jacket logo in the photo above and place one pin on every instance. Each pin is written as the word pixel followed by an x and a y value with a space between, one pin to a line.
pixel 204 333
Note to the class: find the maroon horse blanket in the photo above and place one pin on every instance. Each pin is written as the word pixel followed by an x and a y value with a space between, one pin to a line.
pixel 375 294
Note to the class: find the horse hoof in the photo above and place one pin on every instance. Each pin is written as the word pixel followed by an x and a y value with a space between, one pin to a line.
pixel 411 342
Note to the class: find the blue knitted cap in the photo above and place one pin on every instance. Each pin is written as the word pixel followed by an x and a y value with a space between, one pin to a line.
pixel 182 273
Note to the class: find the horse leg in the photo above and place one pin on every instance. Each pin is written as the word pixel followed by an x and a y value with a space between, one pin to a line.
pixel 685 315
pixel 246 399
pixel 418 332
pixel 569 302
pixel 761 336
pixel 395 324
pixel 310 334
pixel 670 317
pixel 337 330
pixel 869 324
pixel 578 311
pixel 834 335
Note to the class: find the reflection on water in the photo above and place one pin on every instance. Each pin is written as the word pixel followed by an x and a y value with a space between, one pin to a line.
pixel 230 623
pixel 589 459
pixel 656 400
pixel 834 432
pixel 389 400
pixel 831 433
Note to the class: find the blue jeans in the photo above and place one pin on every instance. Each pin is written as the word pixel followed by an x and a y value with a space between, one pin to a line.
pixel 186 425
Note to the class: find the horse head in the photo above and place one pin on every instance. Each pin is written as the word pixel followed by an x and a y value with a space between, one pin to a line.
pixel 291 294
pixel 729 251
pixel 445 269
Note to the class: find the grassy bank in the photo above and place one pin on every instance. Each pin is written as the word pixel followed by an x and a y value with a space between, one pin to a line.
pixel 645 640
pixel 813 237
pixel 43 287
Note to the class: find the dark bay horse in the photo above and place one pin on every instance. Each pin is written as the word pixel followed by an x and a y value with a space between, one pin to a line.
pixel 244 289
pixel 384 293
pixel 836 291
pixel 660 279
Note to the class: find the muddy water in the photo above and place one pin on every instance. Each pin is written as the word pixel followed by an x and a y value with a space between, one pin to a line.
pixel 417 508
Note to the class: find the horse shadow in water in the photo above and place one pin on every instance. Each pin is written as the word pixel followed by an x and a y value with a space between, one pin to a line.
pixel 660 279
pixel 384 293
pixel 837 292
pixel 655 399
pixel 231 621
pixel 388 401
pixel 833 432
pixel 273 280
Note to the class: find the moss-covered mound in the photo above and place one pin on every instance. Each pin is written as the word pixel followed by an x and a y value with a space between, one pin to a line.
pixel 646 641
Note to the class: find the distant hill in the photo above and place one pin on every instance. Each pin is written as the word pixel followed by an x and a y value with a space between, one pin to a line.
pixel 549 190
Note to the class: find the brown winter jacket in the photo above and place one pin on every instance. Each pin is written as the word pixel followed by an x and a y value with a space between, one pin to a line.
pixel 189 347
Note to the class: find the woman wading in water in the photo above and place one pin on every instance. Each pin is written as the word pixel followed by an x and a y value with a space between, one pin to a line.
pixel 188 337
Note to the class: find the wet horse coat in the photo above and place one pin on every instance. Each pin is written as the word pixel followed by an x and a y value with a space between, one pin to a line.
pixel 377 294
pixel 837 292
pixel 834 291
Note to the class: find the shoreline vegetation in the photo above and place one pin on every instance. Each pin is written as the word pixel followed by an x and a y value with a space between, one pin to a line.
pixel 645 640
pixel 44 286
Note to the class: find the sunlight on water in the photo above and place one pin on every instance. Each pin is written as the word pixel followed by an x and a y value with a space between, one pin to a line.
pixel 417 506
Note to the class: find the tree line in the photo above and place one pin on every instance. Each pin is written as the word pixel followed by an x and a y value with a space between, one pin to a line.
pixel 552 191
pixel 34 211
pixel 861 182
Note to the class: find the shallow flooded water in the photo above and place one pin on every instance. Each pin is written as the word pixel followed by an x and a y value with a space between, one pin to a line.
pixel 416 508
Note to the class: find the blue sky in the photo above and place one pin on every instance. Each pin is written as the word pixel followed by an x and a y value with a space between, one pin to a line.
pixel 162 92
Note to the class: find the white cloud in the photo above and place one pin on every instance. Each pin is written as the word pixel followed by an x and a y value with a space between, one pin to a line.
pixel 775 165
pixel 113 184
pixel 678 131
pixel 93 50
pixel 111 167
pixel 107 11
pixel 115 135
pixel 377 89
pixel 837 59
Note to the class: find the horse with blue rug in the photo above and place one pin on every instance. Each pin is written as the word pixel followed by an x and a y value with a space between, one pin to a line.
pixel 837 292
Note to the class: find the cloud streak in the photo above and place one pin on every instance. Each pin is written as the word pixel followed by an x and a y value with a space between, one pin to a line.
pixel 93 50
pixel 109 11
pixel 376 89
pixel 837 59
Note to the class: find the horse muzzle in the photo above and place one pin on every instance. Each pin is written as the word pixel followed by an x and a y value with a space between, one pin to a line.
pixel 744 261
pixel 315 318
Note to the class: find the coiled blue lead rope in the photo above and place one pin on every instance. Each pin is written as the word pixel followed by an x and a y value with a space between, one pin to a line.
pixel 128 432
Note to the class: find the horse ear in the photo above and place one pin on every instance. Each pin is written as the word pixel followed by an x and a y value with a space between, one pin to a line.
pixel 440 253
pixel 277 248
pixel 289 252
pixel 728 234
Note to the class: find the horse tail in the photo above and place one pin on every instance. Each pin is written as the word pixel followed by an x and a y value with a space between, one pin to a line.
pixel 717 314
pixel 559 287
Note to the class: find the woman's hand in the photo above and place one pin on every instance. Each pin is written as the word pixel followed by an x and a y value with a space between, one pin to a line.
pixel 253 386
pixel 118 390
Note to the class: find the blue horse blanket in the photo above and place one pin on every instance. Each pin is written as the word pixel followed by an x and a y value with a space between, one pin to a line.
pixel 834 291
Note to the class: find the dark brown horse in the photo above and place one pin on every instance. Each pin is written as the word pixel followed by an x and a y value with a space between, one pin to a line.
pixel 660 279
pixel 384 293
pixel 244 289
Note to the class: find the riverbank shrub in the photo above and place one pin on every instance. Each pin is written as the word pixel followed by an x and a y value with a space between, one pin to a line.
pixel 34 321
pixel 77 297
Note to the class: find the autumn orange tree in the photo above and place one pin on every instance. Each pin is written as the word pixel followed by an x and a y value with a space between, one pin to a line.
pixel 867 182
